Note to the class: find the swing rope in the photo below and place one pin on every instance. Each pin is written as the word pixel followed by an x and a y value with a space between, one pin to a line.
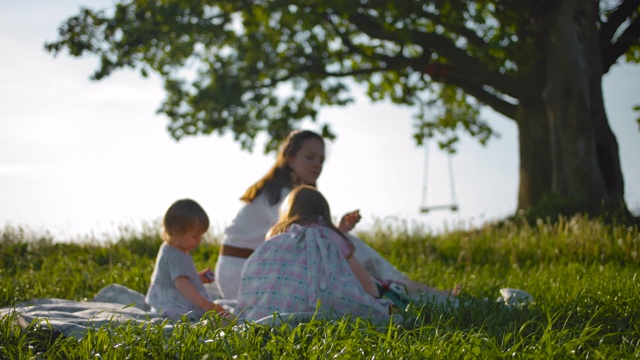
pixel 454 203
pixel 423 201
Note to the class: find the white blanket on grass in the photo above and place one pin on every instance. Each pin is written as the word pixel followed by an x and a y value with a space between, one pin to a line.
pixel 114 304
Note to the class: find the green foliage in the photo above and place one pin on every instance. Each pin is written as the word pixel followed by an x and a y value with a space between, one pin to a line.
pixel 507 246
pixel 267 66
pixel 33 266
pixel 264 67
pixel 554 207
pixel 583 274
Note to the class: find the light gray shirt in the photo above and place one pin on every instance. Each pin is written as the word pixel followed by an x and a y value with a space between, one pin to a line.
pixel 163 296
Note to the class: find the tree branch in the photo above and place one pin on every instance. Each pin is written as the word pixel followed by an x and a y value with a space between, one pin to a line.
pixel 486 97
pixel 612 52
pixel 617 17
pixel 443 73
pixel 468 34
pixel 446 48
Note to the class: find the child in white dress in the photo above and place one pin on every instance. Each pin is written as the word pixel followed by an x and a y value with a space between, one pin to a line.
pixel 307 262
pixel 176 287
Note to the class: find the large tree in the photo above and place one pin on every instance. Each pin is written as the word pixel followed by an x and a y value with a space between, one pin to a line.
pixel 266 65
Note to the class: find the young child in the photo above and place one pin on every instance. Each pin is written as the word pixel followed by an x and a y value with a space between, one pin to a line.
pixel 176 287
pixel 307 260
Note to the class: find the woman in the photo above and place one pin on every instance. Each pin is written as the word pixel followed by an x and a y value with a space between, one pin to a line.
pixel 299 162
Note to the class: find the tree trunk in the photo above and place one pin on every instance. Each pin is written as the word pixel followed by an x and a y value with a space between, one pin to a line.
pixel 584 153
pixel 535 155
pixel 605 141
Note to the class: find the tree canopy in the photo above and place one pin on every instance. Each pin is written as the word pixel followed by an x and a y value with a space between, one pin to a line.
pixel 249 67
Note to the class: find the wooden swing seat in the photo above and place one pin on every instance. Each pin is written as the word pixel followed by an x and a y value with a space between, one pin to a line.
pixel 426 209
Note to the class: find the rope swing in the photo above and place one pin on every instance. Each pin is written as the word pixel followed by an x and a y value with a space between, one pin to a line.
pixel 453 205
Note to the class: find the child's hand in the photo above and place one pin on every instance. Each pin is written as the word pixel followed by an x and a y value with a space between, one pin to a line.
pixel 349 221
pixel 222 311
pixel 206 276
pixel 226 318
pixel 456 290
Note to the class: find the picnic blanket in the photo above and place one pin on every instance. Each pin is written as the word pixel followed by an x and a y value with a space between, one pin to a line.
pixel 116 304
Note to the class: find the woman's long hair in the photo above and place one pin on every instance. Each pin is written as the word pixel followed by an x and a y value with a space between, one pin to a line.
pixel 280 175
pixel 306 205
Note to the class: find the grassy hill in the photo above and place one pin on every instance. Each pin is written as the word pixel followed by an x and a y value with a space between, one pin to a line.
pixel 584 275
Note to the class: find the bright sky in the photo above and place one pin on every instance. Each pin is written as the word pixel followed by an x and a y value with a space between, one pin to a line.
pixel 81 158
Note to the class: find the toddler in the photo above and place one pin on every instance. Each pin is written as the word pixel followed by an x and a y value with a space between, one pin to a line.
pixel 176 287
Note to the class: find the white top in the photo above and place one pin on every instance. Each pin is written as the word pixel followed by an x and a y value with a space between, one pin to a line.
pixel 163 295
pixel 252 222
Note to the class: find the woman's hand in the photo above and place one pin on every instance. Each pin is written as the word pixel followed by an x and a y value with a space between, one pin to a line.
pixel 349 221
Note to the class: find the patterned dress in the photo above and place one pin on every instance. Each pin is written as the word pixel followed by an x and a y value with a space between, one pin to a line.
pixel 302 270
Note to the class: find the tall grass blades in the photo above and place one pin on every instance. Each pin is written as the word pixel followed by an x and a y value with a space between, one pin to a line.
pixel 583 273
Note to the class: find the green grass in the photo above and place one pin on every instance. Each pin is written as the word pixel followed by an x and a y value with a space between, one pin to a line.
pixel 585 276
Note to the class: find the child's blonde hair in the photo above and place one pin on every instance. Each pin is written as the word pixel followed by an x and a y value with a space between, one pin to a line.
pixel 182 216
pixel 306 205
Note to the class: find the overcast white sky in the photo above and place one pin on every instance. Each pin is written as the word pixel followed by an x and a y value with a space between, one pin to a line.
pixel 81 158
